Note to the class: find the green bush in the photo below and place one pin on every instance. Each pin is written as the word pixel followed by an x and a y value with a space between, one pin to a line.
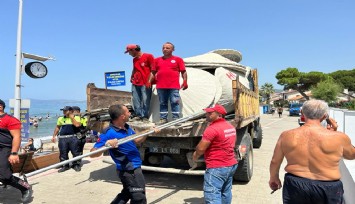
pixel 344 105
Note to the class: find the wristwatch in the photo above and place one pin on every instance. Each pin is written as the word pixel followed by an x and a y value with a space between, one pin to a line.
pixel 14 153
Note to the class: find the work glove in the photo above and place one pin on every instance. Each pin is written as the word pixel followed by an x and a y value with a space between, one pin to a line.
pixel 184 85
pixel 148 85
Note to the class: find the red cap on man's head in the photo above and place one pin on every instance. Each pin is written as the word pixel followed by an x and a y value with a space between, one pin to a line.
pixel 131 47
pixel 218 108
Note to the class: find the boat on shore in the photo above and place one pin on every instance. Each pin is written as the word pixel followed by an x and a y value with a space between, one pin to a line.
pixel 32 161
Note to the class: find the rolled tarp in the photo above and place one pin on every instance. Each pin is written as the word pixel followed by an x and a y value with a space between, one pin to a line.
pixel 204 90
pixel 213 60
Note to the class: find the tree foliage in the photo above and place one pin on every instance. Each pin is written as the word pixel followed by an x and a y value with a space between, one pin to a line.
pixel 266 90
pixel 326 90
pixel 291 78
pixel 345 77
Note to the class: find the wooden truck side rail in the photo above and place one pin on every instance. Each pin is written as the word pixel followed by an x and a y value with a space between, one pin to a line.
pixel 103 98
pixel 246 102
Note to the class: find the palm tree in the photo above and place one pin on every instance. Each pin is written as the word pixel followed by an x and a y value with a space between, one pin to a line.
pixel 266 90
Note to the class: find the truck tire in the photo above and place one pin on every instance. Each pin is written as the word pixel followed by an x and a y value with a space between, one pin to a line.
pixel 257 140
pixel 244 171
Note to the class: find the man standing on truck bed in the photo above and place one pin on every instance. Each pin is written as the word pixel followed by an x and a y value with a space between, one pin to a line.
pixel 313 154
pixel 143 64
pixel 166 72
pixel 10 140
pixel 217 146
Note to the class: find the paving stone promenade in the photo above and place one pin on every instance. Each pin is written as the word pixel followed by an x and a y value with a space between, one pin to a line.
pixel 98 183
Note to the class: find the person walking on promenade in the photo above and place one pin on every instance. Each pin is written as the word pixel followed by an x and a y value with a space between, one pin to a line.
pixel 279 111
pixel 313 153
pixel 166 72
pixel 67 127
pixel 217 146
pixel 10 141
pixel 126 156
pixel 143 64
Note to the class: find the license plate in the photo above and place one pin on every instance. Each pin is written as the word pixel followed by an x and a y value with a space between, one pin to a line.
pixel 164 150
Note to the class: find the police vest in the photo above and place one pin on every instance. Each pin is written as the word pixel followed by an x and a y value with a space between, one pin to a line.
pixel 66 125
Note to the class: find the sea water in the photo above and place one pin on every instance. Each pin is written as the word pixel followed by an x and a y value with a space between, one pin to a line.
pixel 45 108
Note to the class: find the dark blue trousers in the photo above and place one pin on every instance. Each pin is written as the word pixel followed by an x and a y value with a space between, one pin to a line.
pixel 68 144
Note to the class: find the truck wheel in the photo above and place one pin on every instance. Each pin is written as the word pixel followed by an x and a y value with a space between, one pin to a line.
pixel 152 159
pixel 258 137
pixel 244 171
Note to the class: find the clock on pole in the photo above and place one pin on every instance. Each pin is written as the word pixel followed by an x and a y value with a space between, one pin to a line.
pixel 36 70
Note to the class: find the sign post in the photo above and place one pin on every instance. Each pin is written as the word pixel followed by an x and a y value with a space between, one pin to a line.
pixel 24 117
pixel 115 79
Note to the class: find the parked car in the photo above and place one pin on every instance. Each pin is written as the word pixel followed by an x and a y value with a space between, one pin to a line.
pixel 295 108
pixel 301 119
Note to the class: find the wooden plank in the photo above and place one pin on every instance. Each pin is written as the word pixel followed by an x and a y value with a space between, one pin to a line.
pixel 30 162
pixel 25 163
pixel 42 161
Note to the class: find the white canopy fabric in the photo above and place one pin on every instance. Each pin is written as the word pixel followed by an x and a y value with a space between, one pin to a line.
pixel 211 61
pixel 203 91
pixel 206 89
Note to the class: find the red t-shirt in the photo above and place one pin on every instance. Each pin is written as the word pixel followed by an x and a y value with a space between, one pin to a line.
pixel 168 70
pixel 222 136
pixel 7 123
pixel 142 67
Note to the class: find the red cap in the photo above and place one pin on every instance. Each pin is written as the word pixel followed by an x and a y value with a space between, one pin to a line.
pixel 130 47
pixel 218 108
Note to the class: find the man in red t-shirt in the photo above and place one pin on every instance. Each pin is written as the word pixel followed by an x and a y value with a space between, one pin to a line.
pixel 143 63
pixel 166 72
pixel 217 146
pixel 10 141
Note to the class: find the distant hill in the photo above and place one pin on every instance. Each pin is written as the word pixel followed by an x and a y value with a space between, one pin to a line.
pixel 52 100
pixel 41 107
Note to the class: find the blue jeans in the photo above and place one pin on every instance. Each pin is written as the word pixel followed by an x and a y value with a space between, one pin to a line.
pixel 164 96
pixel 217 185
pixel 141 100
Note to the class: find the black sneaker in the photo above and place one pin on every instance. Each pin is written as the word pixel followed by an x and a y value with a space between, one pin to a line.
pixel 26 195
pixel 77 168
pixel 65 168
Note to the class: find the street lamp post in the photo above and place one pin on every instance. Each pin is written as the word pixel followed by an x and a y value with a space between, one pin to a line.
pixel 19 64
pixel 17 105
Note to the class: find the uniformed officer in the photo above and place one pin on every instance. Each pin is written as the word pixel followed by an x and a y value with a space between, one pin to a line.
pixel 81 135
pixel 67 127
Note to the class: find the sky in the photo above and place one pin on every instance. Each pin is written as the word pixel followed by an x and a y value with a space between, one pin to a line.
pixel 88 38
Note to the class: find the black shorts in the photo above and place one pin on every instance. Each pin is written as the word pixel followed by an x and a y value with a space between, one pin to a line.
pixel 302 190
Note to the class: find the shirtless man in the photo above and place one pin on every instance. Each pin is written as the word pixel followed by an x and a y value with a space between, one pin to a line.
pixel 313 154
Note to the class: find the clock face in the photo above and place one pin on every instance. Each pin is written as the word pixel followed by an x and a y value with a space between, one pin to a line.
pixel 36 70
